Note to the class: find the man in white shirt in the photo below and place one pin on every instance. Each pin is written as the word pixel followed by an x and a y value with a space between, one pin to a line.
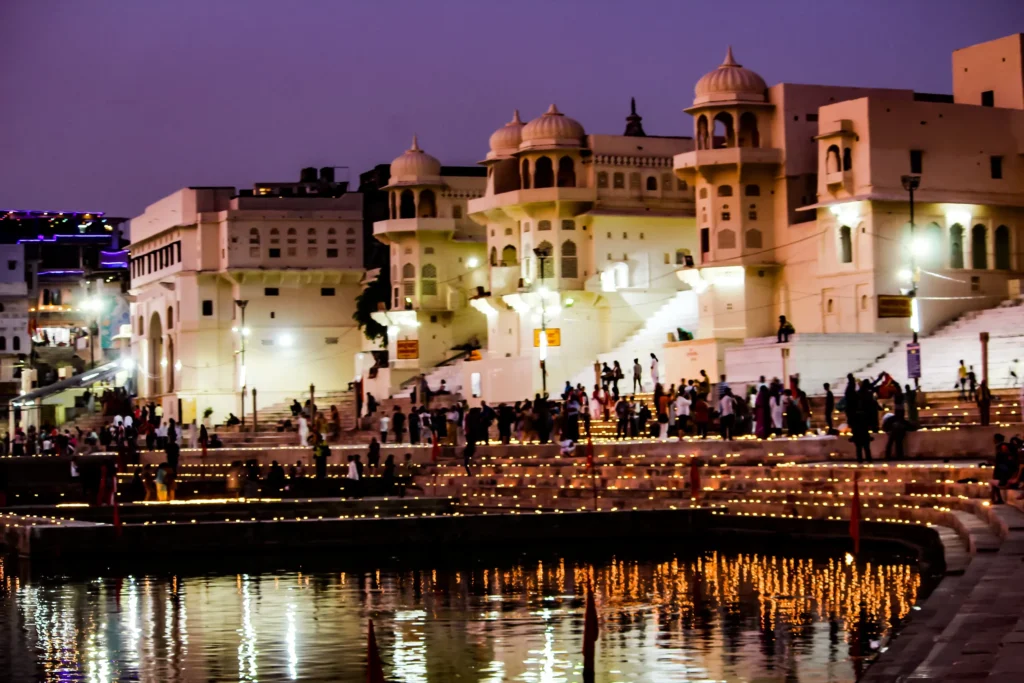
pixel 726 416
pixel 385 423
pixel 682 404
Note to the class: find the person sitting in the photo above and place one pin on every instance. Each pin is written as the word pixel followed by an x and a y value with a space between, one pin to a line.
pixel 785 329
pixel 232 420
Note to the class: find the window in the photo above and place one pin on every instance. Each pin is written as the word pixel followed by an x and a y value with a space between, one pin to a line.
pixel 170 317
pixel 16 343
pixel 457 211
pixel 979 248
pixel 863 302
pixel 832 162
pixel 828 306
pixel 332 253
pixel 142 328
pixel 652 184
pixel 568 225
pixel 811 117
pixel 332 235
pixel 508 232
pixel 428 281
pixel 526 174
pixel 666 182
pixel 847 159
pixel 752 190
pixel 916 160
pixel 956 246
pixel 1002 248
pixel 406 205
pixel 428 204
pixel 726 214
pixel 725 190
pixel 254 236
pixel 569 262
pixel 275 236
pixel 12 265
pixel 705 240
pixel 634 181
pixel 988 98
pixel 271 291
pixel 752 214
pixel 408 271
pixel 544 225
pixel 566 172
pixel 311 251
pixel 311 236
pixel 602 179
pixel 543 173
pixel 975 283
pixel 508 256
pixel 681 185
pixel 275 252
pixel 996 167
pixel 726 239
pixel 293 236
pixel 548 263
pixel 207 311
pixel 619 181
pixel 845 244
pixel 428 250
pixel 703 193
pixel 3 343
pixel 749 135
pixel 327 291
pixel 752 239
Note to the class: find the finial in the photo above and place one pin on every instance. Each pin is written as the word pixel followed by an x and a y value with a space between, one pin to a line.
pixel 634 127
pixel 515 117
pixel 552 111
pixel 415 144
pixel 729 59
pixel 632 106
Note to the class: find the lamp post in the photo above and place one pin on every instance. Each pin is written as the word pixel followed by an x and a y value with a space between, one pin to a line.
pixel 542 255
pixel 911 183
pixel 242 303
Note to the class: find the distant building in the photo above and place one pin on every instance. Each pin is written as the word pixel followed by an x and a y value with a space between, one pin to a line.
pixel 246 290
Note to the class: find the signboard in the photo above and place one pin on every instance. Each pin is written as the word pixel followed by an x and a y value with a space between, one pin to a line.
pixel 554 337
pixel 913 360
pixel 893 306
pixel 408 349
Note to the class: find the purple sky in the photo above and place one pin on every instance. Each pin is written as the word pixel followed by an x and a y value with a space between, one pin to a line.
pixel 111 104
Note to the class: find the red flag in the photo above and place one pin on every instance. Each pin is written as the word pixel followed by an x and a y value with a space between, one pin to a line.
pixel 590 454
pixel 435 451
pixel 855 514
pixel 694 480
pixel 590 629
pixel 374 668
pixel 117 514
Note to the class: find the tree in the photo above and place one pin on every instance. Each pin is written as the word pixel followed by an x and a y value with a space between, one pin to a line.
pixel 367 303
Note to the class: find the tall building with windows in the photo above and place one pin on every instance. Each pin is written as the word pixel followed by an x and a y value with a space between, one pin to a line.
pixel 242 290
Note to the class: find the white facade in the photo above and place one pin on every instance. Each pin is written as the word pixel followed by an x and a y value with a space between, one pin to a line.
pixel 14 338
pixel 295 260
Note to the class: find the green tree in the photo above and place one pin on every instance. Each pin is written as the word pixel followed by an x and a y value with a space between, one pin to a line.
pixel 367 303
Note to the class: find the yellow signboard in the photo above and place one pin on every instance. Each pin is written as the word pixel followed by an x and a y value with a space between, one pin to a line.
pixel 408 349
pixel 554 337
pixel 893 306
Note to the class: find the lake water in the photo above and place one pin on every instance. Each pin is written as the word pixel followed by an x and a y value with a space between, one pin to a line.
pixel 711 616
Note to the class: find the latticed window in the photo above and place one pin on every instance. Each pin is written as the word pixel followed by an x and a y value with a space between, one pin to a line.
pixel 428 280
pixel 569 261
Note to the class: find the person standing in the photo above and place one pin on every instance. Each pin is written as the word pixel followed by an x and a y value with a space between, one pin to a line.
pixel 414 427
pixel 682 404
pixel 383 426
pixel 984 402
pixel 398 424
pixel 352 478
pixel 726 414
pixel 830 407
pixel 701 414
pixel 321 451
pixel 910 397
pixel 373 455
pixel 303 430
pixel 961 374
pixel 638 384
pixel 777 410
pixel 655 374
pixel 864 413
pixel 763 413
pixel 204 438
pixel 622 416
pixel 972 385
pixel 1011 377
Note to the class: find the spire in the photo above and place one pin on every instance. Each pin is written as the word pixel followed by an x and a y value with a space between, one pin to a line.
pixel 729 59
pixel 552 111
pixel 415 144
pixel 515 118
pixel 633 126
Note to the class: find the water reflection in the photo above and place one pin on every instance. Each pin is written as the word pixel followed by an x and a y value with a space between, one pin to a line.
pixel 711 617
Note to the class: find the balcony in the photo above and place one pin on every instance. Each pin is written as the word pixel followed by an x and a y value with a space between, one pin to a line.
pixel 384 230
pixel 689 163
pixel 529 204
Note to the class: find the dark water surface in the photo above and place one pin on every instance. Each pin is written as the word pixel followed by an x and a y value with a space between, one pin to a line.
pixel 710 616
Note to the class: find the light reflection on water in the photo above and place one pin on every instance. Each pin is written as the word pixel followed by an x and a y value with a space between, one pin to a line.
pixel 711 617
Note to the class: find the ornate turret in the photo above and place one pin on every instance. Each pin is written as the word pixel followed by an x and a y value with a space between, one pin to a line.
pixel 634 127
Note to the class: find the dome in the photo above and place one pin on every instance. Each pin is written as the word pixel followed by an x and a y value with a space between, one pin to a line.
pixel 728 82
pixel 505 141
pixel 415 167
pixel 552 129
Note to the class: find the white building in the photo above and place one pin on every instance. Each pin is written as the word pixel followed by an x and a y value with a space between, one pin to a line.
pixel 286 257
pixel 14 338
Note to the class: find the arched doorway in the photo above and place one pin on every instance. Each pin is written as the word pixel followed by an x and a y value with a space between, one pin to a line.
pixel 156 354
pixel 170 365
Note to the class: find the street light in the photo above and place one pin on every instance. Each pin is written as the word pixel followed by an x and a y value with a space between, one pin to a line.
pixel 242 303
pixel 911 183
pixel 541 255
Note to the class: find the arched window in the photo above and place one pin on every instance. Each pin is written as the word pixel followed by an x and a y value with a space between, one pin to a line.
pixel 602 179
pixel 254 236
pixel 752 239
pixel 845 244
pixel 16 343
pixel 46 297
pixel 170 364
pixel 494 256
pixel 847 159
pixel 703 136
pixel 408 282
pixel 703 193
pixel 311 236
pixel 543 173
pixel 275 236
pixel 566 172
pixel 508 256
pixel 979 248
pixel 724 134
pixel 548 268
pixel 726 239
pixel 508 231
pixel 170 317
pixel 544 225
pixel 956 246
pixel 408 271
pixel 568 224
pixel 863 302
pixel 526 174
pixel 332 235
pixel 569 262
pixel 832 159
pixel 752 191
pixel 1002 248
pixel 828 306
pixel 394 212
pixel 428 205
pixel 749 137
pixel 428 280
pixel 725 190
pixel 652 184
pixel 406 205
pixel 141 330
pixel 618 181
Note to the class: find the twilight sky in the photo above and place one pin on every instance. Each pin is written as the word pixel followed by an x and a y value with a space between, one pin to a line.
pixel 109 105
